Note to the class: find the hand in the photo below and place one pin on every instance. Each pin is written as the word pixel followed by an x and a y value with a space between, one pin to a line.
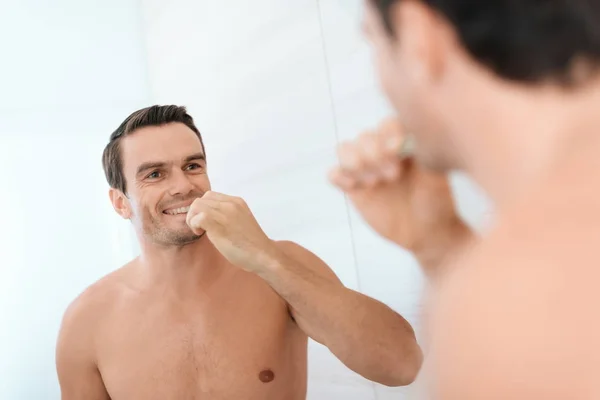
pixel 401 200
pixel 232 229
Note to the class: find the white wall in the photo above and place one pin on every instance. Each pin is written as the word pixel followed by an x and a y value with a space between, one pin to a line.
pixel 274 85
pixel 70 71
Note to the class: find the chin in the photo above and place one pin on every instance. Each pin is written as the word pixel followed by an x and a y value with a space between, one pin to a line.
pixel 187 238
pixel 176 237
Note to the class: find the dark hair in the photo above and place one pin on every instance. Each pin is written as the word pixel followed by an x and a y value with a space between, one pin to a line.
pixel 524 40
pixel 112 161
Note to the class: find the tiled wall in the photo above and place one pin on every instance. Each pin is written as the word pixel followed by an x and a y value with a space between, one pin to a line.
pixel 274 85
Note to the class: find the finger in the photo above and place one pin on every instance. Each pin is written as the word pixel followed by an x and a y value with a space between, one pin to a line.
pixel 343 181
pixel 207 221
pixel 398 147
pixel 349 158
pixel 381 164
pixel 407 148
pixel 209 209
pixel 355 164
pixel 392 136
pixel 391 170
pixel 199 205
pixel 371 151
pixel 210 195
pixel 225 201
pixel 201 221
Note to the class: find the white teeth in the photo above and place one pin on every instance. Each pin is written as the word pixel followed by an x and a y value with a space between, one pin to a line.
pixel 175 211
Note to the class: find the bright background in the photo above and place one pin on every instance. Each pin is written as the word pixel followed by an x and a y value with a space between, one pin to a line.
pixel 273 85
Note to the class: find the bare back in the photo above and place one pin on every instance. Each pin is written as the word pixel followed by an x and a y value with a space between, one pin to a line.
pixel 235 341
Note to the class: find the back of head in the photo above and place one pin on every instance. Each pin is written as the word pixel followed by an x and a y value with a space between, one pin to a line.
pixel 156 115
pixel 528 41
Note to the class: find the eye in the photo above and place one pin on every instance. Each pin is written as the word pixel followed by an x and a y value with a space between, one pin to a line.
pixel 193 166
pixel 154 175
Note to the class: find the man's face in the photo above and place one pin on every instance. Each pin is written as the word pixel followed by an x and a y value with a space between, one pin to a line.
pixel 165 170
pixel 406 64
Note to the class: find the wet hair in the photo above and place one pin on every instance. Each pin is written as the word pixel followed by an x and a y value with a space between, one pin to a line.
pixel 529 41
pixel 156 115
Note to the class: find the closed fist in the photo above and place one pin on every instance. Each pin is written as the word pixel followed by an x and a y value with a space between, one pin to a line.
pixel 233 230
pixel 400 199
pixel 372 159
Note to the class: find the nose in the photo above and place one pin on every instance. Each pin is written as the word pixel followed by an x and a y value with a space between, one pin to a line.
pixel 180 184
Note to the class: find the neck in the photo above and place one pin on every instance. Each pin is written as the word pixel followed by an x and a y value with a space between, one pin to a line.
pixel 182 270
pixel 521 137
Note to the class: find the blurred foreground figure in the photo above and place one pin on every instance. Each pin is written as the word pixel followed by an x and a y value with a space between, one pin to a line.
pixel 509 92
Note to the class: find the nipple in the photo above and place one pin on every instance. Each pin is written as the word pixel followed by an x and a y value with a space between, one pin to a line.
pixel 266 376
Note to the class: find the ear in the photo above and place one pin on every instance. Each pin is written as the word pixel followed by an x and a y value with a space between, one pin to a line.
pixel 120 203
pixel 422 34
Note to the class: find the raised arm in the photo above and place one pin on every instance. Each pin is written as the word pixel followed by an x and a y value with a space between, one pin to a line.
pixel 402 201
pixel 78 374
pixel 365 334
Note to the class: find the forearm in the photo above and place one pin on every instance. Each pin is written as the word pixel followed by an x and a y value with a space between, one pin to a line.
pixel 366 335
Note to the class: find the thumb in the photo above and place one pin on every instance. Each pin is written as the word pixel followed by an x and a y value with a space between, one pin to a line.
pixel 201 222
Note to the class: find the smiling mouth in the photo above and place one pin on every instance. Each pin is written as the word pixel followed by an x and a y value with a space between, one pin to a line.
pixel 177 211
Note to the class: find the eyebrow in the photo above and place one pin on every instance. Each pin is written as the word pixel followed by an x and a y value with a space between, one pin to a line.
pixel 157 164
pixel 149 165
pixel 196 157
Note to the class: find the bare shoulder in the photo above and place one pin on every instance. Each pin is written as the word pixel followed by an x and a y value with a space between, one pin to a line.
pixel 558 225
pixel 76 353
pixel 527 292
pixel 88 308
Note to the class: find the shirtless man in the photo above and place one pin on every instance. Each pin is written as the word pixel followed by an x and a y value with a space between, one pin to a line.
pixel 212 308
pixel 508 91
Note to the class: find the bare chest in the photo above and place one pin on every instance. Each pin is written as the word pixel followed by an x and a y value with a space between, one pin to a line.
pixel 238 350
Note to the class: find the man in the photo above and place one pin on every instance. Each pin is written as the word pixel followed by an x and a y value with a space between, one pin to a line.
pixel 507 91
pixel 212 308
